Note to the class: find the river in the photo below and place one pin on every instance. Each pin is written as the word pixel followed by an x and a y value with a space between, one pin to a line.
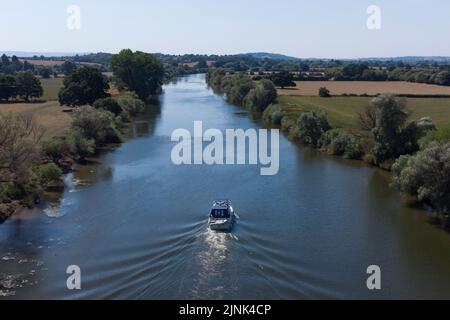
pixel 136 224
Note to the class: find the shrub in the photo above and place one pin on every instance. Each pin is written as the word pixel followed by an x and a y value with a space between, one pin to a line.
pixel 131 104
pixel 441 135
pixel 341 144
pixel 48 173
pixel 98 125
pixel 108 104
pixel 324 92
pixel 56 148
pixel 80 146
pixel 311 126
pixel 426 175
pixel 259 98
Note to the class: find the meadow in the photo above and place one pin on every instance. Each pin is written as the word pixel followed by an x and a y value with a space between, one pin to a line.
pixel 305 88
pixel 343 111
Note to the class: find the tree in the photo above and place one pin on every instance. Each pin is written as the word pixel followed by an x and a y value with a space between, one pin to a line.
pixel 28 86
pixel 260 97
pixel 324 92
pixel 392 136
pixel 83 87
pixel 368 118
pixel 45 73
pixel 283 79
pixel 426 175
pixel 8 87
pixel 311 126
pixel 68 67
pixel 108 104
pixel 20 137
pixel 137 71
pixel 97 125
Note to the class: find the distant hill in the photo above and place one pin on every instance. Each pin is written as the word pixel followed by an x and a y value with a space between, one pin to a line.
pixel 29 54
pixel 273 56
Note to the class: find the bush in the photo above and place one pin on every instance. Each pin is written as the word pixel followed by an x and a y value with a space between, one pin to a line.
pixel 259 98
pixel 131 104
pixel 273 115
pixel 80 146
pixel 311 126
pixel 48 173
pixel 97 125
pixel 108 104
pixel 340 143
pixel 324 92
pixel 56 148
pixel 441 135
pixel 240 87
pixel 426 175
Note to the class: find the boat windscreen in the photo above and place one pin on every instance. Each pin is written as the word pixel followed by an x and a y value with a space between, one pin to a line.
pixel 220 214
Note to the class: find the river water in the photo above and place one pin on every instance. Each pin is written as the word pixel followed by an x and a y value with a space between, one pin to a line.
pixel 136 224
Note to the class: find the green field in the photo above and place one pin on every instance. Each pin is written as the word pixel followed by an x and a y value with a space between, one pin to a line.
pixel 342 111
pixel 51 88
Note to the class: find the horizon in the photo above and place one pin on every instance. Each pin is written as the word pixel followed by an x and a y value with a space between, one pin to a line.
pixel 178 27
pixel 31 54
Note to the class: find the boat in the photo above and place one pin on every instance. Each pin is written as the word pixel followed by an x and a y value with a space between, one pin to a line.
pixel 221 216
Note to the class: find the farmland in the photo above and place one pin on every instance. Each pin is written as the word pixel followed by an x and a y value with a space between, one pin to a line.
pixel 342 111
pixel 311 88
pixel 51 88
pixel 49 115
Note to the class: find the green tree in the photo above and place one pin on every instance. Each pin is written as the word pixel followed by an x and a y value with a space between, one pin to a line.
pixel 283 79
pixel 83 87
pixel 324 92
pixel 137 71
pixel 45 73
pixel 260 97
pixel 426 175
pixel 68 67
pixel 28 86
pixel 8 87
pixel 311 126
pixel 108 104
pixel 97 125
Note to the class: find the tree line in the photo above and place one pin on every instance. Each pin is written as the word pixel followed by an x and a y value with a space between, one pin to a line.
pixel 241 90
pixel 416 152
pixel 29 165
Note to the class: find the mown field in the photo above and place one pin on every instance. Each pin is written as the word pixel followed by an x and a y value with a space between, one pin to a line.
pixel 51 88
pixel 342 111
pixel 311 88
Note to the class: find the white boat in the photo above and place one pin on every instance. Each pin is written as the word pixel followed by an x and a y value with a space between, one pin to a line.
pixel 221 217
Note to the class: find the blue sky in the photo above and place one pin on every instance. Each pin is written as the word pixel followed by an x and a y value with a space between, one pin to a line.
pixel 303 28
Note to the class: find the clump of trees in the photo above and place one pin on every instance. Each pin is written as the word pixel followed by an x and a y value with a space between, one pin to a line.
pixel 139 72
pixel 241 90
pixel 23 85
pixel 426 175
pixel 392 135
pixel 83 87
pixel 283 79
pixel 311 126
pixel 20 139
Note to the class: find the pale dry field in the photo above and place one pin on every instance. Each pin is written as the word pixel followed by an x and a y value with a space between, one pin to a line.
pixel 311 88
pixel 49 115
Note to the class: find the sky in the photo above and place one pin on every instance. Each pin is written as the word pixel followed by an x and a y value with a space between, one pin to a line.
pixel 301 28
